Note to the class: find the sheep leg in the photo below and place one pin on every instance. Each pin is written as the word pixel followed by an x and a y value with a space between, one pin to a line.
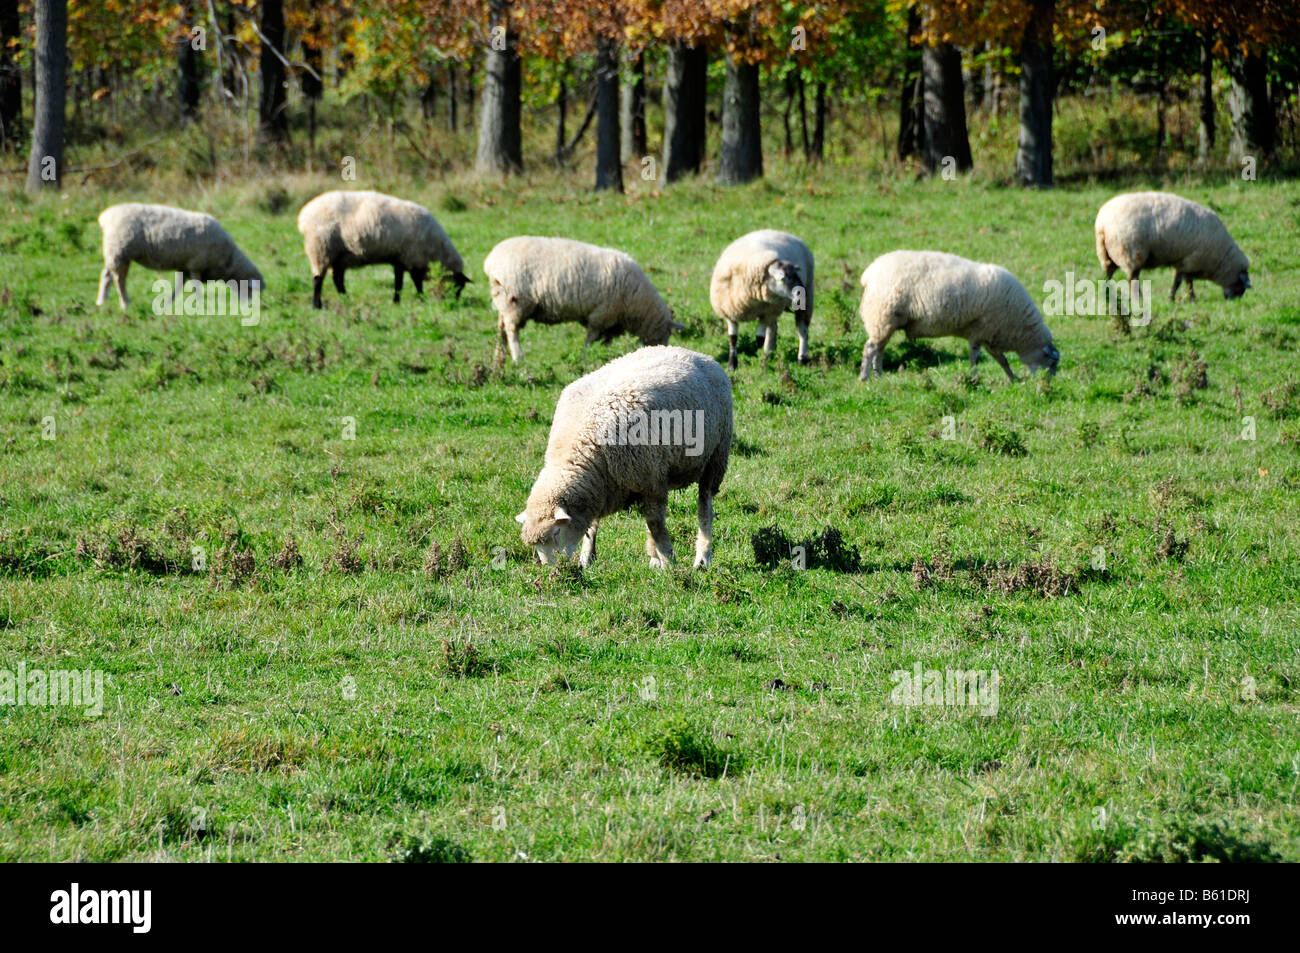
pixel 1002 362
pixel 105 277
pixel 119 281
pixel 592 337
pixel 510 330
pixel 1178 280
pixel 317 282
pixel 417 279
pixel 588 555
pixel 1134 291
pixel 658 544
pixel 398 273
pixel 974 356
pixel 733 332
pixel 769 337
pixel 872 360
pixel 338 272
pixel 1191 291
pixel 704 538
pixel 801 328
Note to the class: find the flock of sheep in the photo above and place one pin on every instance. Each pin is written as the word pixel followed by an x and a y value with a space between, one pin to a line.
pixel 650 397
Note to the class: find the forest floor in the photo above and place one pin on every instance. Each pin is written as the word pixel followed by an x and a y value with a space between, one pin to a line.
pixel 1111 545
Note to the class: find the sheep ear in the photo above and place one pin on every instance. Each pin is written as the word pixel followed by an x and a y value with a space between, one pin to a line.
pixel 561 515
pixel 521 517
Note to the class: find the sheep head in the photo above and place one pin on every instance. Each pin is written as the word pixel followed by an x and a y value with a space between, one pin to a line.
pixel 552 533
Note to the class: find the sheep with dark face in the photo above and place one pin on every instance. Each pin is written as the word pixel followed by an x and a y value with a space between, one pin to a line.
pixel 757 277
pixel 625 435
pixel 927 294
pixel 346 229
pixel 1155 229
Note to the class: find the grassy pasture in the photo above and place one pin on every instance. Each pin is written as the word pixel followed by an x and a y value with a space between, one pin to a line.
pixel 370 667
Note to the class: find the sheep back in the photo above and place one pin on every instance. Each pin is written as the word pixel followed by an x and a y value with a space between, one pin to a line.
pixel 738 289
pixel 1154 229
pixel 556 280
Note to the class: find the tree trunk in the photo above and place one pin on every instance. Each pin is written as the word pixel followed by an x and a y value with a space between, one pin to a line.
pixel 273 117
pixel 313 86
pixel 1205 139
pixel 11 78
pixel 685 98
pixel 819 123
pixel 500 145
pixel 741 158
pixel 453 104
pixel 945 108
pixel 1254 125
pixel 910 109
pixel 45 167
pixel 803 116
pixel 562 110
pixel 632 112
pixel 785 116
pixel 609 166
pixel 187 64
pixel 1037 86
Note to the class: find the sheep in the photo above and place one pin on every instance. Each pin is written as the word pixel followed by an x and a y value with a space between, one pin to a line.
pixel 758 276
pixel 163 238
pixel 350 229
pixel 930 294
pixel 654 420
pixel 554 280
pixel 1152 229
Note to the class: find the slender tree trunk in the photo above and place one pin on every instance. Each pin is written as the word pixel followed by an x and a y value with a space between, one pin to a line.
pixel 45 167
pixel 500 143
pixel 1205 138
pixel 453 104
pixel 313 86
pixel 187 66
pixel 945 108
pixel 785 116
pixel 1161 83
pixel 910 109
pixel 685 99
pixel 609 167
pixel 273 116
pixel 562 110
pixel 819 123
pixel 1254 125
pixel 11 78
pixel 1037 87
pixel 632 112
pixel 741 158
pixel 803 116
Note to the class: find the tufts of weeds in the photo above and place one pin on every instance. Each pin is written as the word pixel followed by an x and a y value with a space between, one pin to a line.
pixel 1283 401
pixel 1190 375
pixel 462 660
pixel 998 438
pixel 234 562
pixel 564 574
pixel 126 547
pixel 1041 578
pixel 685 749
pixel 1195 841
pixel 411 848
pixel 288 557
pixel 439 563
pixel 827 550
pixel 1169 545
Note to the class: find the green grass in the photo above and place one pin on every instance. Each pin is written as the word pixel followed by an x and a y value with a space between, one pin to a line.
pixel 331 686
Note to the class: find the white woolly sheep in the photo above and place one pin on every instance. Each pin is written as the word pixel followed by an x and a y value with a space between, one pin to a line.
pixel 168 239
pixel 1153 229
pixel 652 421
pixel 346 229
pixel 758 276
pixel 554 280
pixel 928 294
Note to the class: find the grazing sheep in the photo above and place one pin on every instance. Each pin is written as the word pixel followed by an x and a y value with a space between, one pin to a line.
pixel 168 239
pixel 652 421
pixel 928 294
pixel 554 280
pixel 758 276
pixel 346 230
pixel 1153 229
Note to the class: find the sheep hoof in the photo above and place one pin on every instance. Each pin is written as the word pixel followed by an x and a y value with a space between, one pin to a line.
pixel 657 563
pixel 703 561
